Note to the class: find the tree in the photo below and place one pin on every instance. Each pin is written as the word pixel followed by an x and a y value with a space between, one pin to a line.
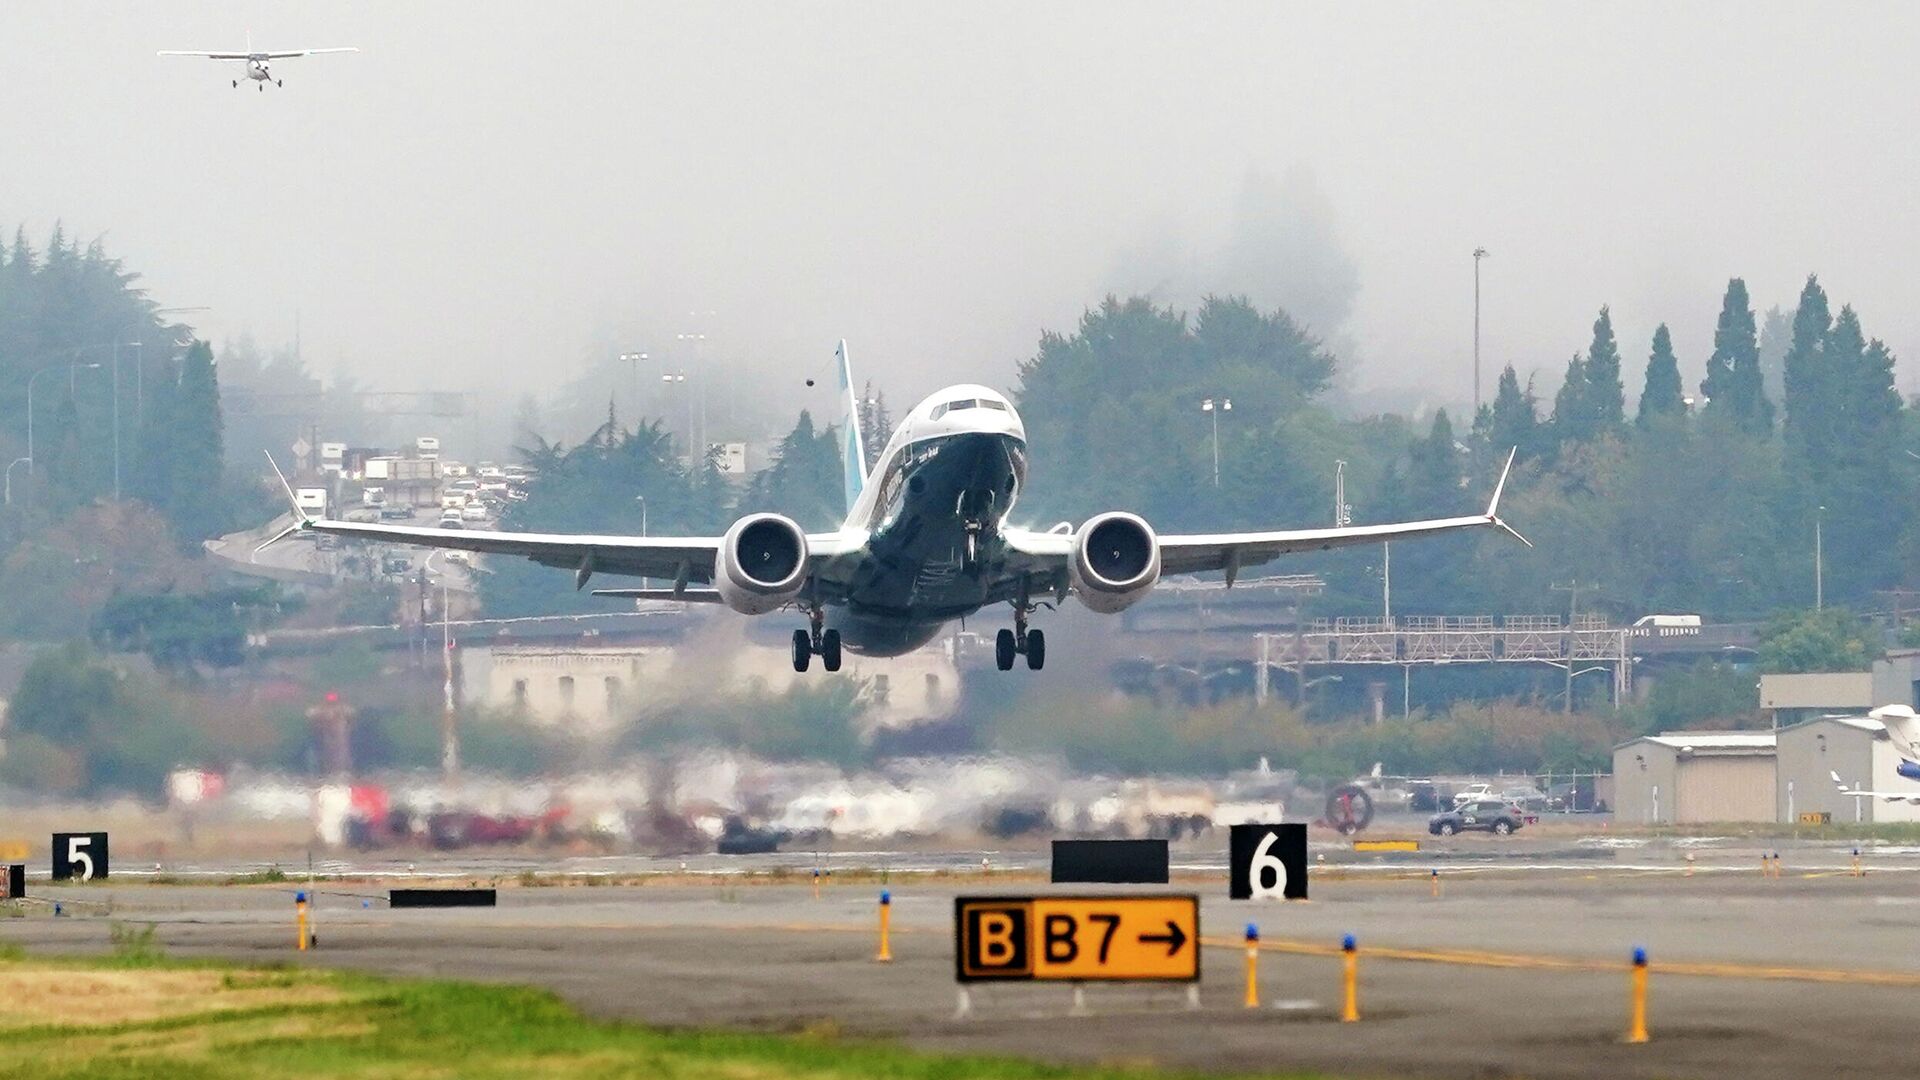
pixel 804 479
pixel 1832 639
pixel 1810 399
pixel 1572 417
pixel 193 501
pixel 876 424
pixel 1606 395
pixel 1735 386
pixel 1515 417
pixel 97 727
pixel 1661 397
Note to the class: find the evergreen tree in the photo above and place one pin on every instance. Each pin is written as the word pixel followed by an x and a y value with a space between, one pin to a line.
pixel 1606 396
pixel 804 480
pixel 1809 396
pixel 1437 465
pixel 1514 418
pixel 1735 386
pixel 194 504
pixel 1572 420
pixel 876 424
pixel 1661 396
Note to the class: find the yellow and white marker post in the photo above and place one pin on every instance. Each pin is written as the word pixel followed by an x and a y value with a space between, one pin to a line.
pixel 1350 997
pixel 1856 863
pixel 1637 1025
pixel 885 955
pixel 1689 864
pixel 1253 966
pixel 1434 888
pixel 300 920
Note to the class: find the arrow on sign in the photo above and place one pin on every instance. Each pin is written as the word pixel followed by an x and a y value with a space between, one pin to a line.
pixel 1174 937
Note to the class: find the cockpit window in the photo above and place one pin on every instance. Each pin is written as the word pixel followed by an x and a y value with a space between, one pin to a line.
pixel 989 403
pixel 954 406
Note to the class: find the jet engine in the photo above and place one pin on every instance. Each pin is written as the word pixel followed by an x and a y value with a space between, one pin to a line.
pixel 762 564
pixel 1116 559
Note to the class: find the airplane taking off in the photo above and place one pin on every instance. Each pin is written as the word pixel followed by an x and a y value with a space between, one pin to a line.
pixel 1903 731
pixel 257 61
pixel 925 541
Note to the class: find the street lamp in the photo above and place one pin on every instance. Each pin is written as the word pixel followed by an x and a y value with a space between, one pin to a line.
pixel 636 359
pixel 1819 560
pixel 1207 406
pixel 71 366
pixel 1478 254
pixel 678 378
pixel 642 500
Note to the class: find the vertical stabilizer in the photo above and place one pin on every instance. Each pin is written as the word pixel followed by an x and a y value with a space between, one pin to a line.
pixel 1903 729
pixel 853 454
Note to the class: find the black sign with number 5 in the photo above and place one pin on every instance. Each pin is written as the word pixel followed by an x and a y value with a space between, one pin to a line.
pixel 79 856
pixel 1267 861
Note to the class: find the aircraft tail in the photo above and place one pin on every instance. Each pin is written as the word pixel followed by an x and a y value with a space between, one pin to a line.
pixel 853 453
pixel 1903 728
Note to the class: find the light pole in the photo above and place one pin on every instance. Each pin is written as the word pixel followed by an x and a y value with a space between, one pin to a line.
pixel 679 378
pixel 1478 254
pixel 636 359
pixel 642 500
pixel 1207 406
pixel 1819 560
pixel 699 358
pixel 71 366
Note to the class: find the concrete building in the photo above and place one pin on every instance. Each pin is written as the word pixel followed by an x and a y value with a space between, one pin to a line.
pixel 1790 699
pixel 1896 679
pixel 1695 777
pixel 1855 747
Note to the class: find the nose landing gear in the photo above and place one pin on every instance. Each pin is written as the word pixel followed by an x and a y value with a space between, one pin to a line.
pixel 814 641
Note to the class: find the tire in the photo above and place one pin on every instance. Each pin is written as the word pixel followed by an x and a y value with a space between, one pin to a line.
pixel 802 650
pixel 1036 650
pixel 830 650
pixel 1503 827
pixel 1003 650
pixel 1446 828
pixel 1349 808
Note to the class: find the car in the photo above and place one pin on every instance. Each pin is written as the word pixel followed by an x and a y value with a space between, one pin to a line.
pixel 1492 815
pixel 396 512
pixel 468 484
pixel 450 519
pixel 1472 793
pixel 490 472
pixel 494 487
pixel 474 512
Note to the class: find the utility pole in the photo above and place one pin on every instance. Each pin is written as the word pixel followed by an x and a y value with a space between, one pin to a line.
pixel 1478 254
pixel 1819 561
pixel 1573 589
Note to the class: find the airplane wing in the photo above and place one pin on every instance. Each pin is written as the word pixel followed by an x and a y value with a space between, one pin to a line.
pixel 307 52
pixel 678 559
pixel 207 55
pixel 1911 796
pixel 1232 552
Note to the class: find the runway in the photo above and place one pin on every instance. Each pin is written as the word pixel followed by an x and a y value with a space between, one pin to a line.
pixel 1518 969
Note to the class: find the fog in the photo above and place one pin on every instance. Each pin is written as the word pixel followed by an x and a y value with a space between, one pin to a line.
pixel 500 197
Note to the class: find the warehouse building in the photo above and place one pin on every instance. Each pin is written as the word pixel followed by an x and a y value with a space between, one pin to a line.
pixel 1695 777
pixel 1857 748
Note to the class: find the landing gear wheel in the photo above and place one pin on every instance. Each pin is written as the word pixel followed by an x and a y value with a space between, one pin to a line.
pixel 280 83
pixel 236 84
pixel 830 650
pixel 1003 650
pixel 1036 650
pixel 802 650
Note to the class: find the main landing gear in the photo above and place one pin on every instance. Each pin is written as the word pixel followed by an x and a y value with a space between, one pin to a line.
pixel 1020 641
pixel 814 641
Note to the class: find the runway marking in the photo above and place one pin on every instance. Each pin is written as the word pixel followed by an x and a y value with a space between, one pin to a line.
pixel 1483 958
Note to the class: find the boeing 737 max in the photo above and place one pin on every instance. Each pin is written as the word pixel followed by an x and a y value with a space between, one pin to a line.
pixel 925 541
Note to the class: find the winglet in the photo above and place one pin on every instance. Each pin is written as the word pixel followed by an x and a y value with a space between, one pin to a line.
pixel 1493 505
pixel 300 520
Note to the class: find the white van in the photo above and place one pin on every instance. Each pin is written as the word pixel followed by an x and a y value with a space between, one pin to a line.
pixel 1666 625
pixel 427 446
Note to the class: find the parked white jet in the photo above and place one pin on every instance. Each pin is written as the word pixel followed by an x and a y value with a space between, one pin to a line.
pixel 925 541
pixel 257 61
pixel 1903 731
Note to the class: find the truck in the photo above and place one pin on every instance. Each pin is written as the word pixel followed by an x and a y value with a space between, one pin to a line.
pixel 427 446
pixel 312 501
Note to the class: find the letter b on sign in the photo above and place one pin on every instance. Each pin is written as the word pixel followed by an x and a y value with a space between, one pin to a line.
pixel 1268 861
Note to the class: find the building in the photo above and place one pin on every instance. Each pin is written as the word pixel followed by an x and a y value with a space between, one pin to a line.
pixel 1695 777
pixel 1855 747
pixel 1791 699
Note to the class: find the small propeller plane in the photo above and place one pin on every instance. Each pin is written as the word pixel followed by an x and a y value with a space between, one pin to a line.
pixel 256 61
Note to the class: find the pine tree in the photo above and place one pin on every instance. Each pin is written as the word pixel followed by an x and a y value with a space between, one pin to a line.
pixel 1514 418
pixel 1735 387
pixel 1436 461
pixel 195 506
pixel 876 424
pixel 1606 395
pixel 1810 400
pixel 1661 396
pixel 1571 420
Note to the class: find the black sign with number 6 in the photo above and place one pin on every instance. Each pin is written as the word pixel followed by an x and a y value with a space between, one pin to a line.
pixel 79 856
pixel 1268 861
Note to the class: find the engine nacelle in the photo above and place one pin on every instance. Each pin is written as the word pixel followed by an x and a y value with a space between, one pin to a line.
pixel 762 564
pixel 1116 560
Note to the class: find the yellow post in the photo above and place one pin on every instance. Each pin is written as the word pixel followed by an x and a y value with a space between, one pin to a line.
pixel 1350 1003
pixel 1253 966
pixel 300 920
pixel 1434 888
pixel 1766 865
pixel 1689 864
pixel 816 883
pixel 1776 864
pixel 1856 863
pixel 885 955
pixel 1637 1027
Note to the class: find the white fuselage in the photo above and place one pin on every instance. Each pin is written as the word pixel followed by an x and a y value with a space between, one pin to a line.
pixel 257 70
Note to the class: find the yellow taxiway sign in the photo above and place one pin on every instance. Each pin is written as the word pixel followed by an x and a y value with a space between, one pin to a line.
pixel 1077 938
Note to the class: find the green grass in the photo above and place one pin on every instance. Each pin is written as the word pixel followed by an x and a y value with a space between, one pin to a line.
pixel 306 1023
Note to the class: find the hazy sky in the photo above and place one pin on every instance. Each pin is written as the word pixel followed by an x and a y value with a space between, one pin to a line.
pixel 492 195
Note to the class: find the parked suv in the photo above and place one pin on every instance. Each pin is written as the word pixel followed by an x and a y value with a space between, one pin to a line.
pixel 1493 815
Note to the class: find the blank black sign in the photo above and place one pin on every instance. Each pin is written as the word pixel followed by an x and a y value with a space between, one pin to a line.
pixel 1267 861
pixel 441 898
pixel 1110 862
